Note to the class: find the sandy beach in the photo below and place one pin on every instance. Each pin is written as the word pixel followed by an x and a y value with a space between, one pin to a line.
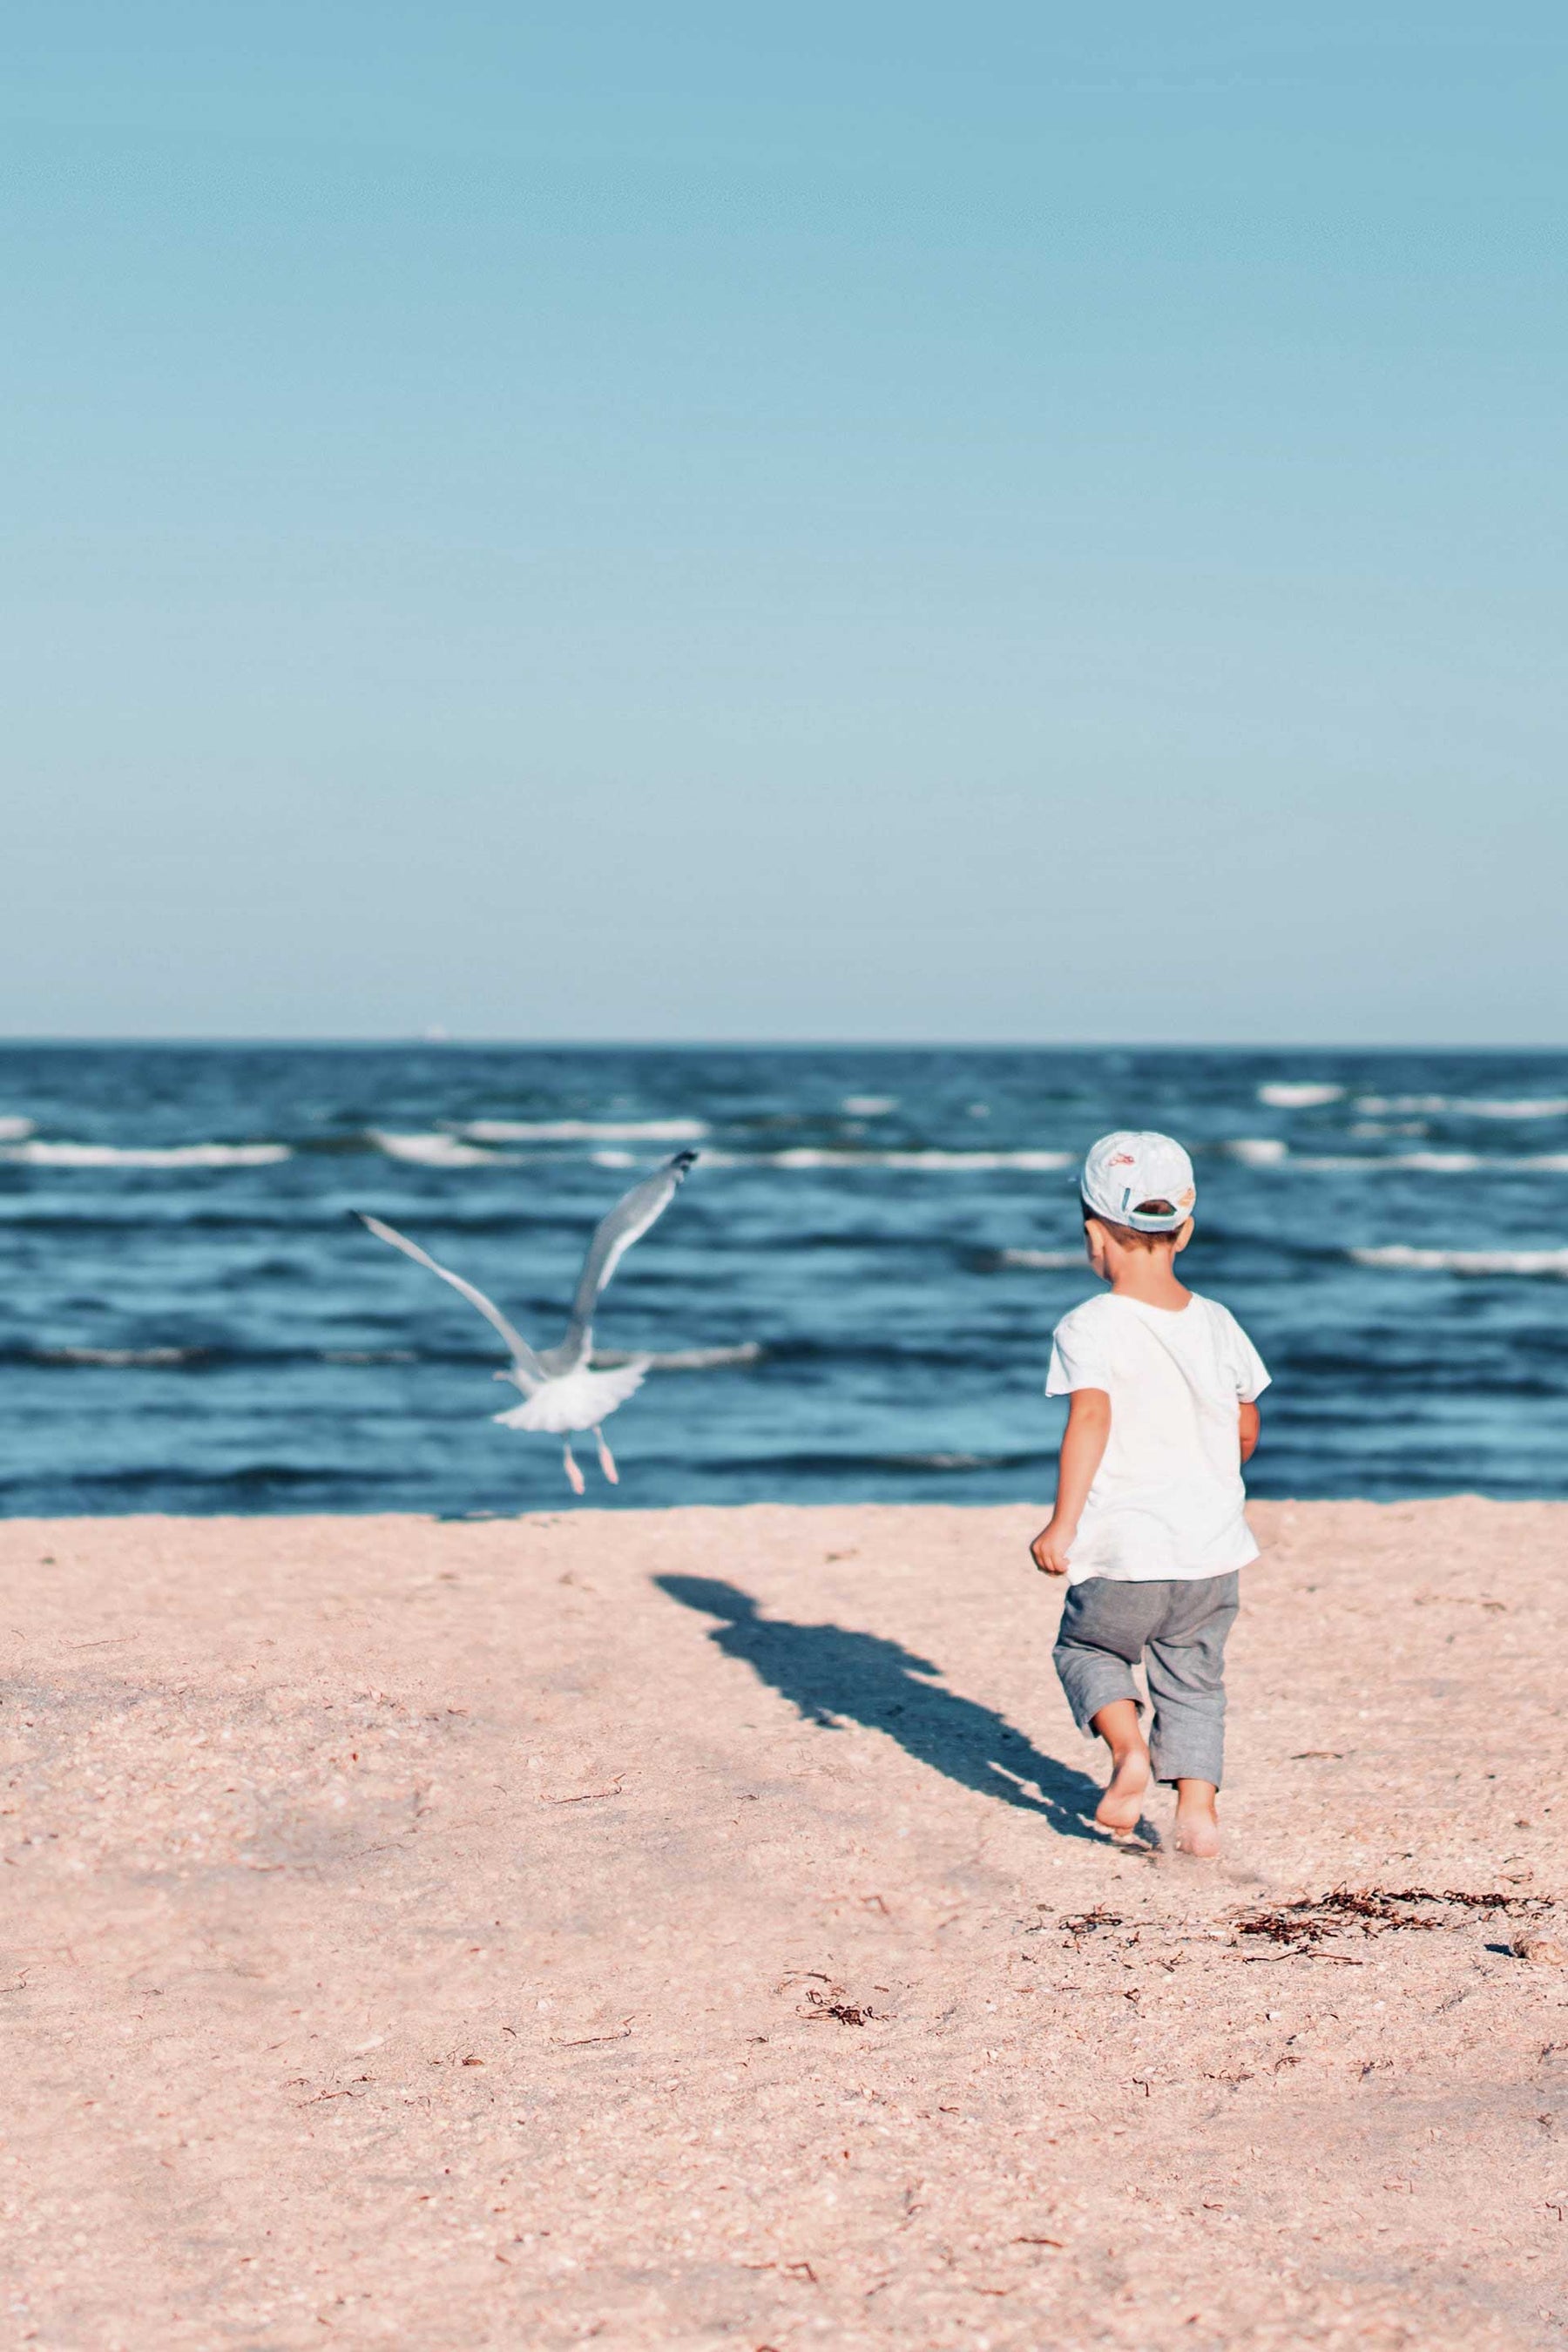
pixel 684 1928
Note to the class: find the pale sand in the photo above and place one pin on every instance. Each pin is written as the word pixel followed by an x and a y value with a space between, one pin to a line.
pixel 427 1935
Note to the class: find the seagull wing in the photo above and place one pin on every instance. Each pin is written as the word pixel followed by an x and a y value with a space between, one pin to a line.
pixel 626 1222
pixel 522 1354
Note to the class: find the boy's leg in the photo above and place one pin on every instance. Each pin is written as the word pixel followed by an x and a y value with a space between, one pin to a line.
pixel 1121 1807
pixel 1104 1626
pixel 1186 1686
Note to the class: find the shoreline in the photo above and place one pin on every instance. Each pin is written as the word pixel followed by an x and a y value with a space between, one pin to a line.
pixel 681 1927
pixel 1263 1509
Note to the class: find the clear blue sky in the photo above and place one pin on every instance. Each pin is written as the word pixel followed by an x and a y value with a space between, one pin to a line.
pixel 878 521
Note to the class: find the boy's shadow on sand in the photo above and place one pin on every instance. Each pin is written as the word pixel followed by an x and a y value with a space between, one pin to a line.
pixel 830 1675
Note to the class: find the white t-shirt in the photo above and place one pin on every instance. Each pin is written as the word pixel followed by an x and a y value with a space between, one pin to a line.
pixel 1167 1499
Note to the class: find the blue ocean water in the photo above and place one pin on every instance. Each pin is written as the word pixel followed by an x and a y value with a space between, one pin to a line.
pixel 851 1298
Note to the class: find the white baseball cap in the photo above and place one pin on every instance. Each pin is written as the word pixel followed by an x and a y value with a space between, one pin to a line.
pixel 1129 1166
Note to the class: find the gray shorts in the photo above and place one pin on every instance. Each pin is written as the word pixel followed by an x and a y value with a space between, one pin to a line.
pixel 1176 1629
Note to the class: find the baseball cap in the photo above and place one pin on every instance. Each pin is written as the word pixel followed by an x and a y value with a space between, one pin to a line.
pixel 1132 1166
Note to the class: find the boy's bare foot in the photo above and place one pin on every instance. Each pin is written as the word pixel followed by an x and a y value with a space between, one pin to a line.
pixel 1198 1820
pixel 1121 1807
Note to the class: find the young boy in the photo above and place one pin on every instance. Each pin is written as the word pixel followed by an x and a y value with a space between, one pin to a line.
pixel 1148 1525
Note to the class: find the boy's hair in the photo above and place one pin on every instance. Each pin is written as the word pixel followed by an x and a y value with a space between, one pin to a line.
pixel 1130 1236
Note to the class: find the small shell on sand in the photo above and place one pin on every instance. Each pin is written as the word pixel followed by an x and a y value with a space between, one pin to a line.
pixel 1545 1950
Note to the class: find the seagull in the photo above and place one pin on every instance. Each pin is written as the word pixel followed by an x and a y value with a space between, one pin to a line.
pixel 561 1394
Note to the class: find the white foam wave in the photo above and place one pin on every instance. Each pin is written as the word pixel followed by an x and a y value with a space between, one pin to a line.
pixel 177 1155
pixel 1381 1163
pixel 1298 1094
pixel 686 1360
pixel 119 1359
pixel 11 1130
pixel 1045 1261
pixel 1464 1106
pixel 1257 1151
pixel 1267 1151
pixel 869 1106
pixel 584 1130
pixel 1441 1261
pixel 429 1151
pixel 811 1156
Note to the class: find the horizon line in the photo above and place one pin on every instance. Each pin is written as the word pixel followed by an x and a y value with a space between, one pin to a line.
pixel 402 1040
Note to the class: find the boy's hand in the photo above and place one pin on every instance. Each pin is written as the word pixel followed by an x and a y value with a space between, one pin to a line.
pixel 1050 1548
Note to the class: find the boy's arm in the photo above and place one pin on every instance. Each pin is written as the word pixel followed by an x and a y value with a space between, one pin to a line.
pixel 1083 1449
pixel 1251 1422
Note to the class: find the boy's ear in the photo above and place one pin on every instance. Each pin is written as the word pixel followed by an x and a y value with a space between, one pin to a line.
pixel 1183 1235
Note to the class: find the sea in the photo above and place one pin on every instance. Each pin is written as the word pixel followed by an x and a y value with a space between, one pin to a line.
pixel 851 1300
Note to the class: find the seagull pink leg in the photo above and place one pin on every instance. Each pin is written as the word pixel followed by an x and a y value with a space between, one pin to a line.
pixel 572 1470
pixel 606 1459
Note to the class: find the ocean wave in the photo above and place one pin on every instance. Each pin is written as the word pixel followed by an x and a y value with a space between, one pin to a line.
pixel 1464 1106
pixel 1045 1260
pixel 1377 1163
pixel 368 1356
pixel 1409 1259
pixel 429 1151
pixel 1267 1151
pixel 14 1130
pixel 584 1130
pixel 686 1360
pixel 173 1155
pixel 939 1461
pixel 199 1489
pixel 120 1358
pixel 825 1156
pixel 1298 1094
pixel 933 1465
pixel 869 1106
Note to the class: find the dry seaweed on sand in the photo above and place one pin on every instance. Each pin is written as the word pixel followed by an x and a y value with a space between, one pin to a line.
pixel 846 2012
pixel 1079 1924
pixel 1375 1909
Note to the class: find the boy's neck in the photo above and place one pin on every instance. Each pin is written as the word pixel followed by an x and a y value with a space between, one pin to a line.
pixel 1149 1276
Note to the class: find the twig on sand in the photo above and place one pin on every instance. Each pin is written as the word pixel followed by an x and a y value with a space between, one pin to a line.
pixel 587 1797
pixel 786 2270
pixel 345 2091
